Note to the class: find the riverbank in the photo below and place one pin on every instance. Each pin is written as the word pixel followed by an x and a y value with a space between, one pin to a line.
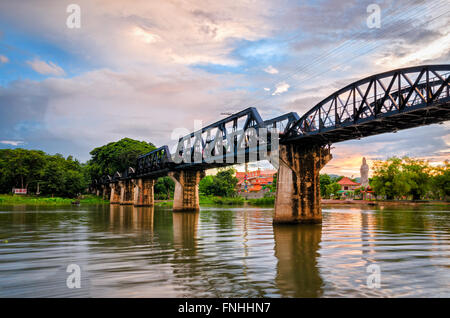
pixel 270 201
pixel 238 201
pixel 7 199
pixel 382 202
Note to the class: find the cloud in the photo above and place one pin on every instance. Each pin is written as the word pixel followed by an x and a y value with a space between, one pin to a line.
pixel 11 142
pixel 146 36
pixel 77 114
pixel 141 77
pixel 271 70
pixel 3 59
pixel 281 88
pixel 46 68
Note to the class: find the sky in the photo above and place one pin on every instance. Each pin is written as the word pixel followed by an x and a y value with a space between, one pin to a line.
pixel 147 69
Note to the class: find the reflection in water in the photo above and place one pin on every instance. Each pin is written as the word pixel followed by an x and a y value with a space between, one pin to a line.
pixel 296 248
pixel 185 230
pixel 123 218
pixel 124 251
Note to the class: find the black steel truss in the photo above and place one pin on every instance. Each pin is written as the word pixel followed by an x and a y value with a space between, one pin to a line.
pixel 385 102
pixel 158 161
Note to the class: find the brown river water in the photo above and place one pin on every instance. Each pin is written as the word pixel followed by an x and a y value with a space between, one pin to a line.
pixel 123 251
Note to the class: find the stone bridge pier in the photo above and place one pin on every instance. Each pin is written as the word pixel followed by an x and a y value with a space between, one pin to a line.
pixel 115 193
pixel 186 196
pixel 298 189
pixel 106 192
pixel 144 192
pixel 126 192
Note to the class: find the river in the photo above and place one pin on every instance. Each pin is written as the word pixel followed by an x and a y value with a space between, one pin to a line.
pixel 123 251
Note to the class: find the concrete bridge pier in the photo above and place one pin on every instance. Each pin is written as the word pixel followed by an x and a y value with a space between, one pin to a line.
pixel 298 189
pixel 115 193
pixel 105 192
pixel 144 192
pixel 126 192
pixel 186 196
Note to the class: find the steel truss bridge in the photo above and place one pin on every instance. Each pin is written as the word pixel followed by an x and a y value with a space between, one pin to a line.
pixel 381 103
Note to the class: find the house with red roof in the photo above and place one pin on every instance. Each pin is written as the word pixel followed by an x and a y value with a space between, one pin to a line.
pixel 348 185
pixel 255 182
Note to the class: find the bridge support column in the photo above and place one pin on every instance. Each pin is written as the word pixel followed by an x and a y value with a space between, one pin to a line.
pixel 144 192
pixel 115 193
pixel 186 196
pixel 106 192
pixel 126 192
pixel 298 189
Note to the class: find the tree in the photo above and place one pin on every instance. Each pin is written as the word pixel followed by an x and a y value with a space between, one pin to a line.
pixel 332 189
pixel 222 184
pixel 55 175
pixel 20 167
pixel 397 178
pixel 440 181
pixel 225 183
pixel 387 180
pixel 116 156
pixel 324 180
pixel 63 177
pixel 164 188
pixel 206 184
pixel 417 173
pixel 273 186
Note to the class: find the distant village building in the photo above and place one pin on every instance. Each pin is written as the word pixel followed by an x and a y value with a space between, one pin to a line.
pixel 254 184
pixel 348 185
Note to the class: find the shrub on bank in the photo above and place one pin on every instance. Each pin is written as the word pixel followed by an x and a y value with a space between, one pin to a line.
pixel 7 199
pixel 228 201
pixel 262 201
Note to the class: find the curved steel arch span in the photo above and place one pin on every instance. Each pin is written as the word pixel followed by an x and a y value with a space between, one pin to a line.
pixel 386 102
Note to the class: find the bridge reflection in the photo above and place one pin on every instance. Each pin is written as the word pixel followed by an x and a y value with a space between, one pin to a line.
pixel 296 249
pixel 185 231
pixel 124 218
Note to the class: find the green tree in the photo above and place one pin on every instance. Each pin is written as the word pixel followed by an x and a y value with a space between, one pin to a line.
pixel 332 189
pixel 63 177
pixel 116 156
pixel 222 184
pixel 324 180
pixel 55 175
pixel 225 183
pixel 164 188
pixel 273 186
pixel 205 185
pixel 387 180
pixel 417 173
pixel 440 181
pixel 397 178
pixel 20 167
